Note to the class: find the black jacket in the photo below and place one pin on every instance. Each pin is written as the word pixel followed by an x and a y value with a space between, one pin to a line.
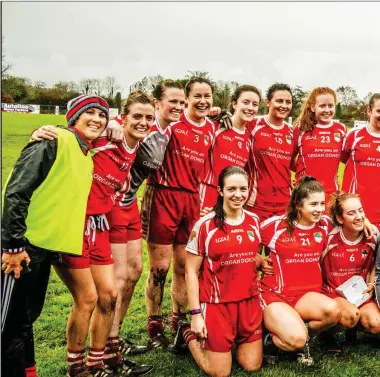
pixel 30 170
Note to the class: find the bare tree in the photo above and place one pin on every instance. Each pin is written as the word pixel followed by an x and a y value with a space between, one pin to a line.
pixel 347 95
pixel 110 86
pixel 5 65
pixel 87 85
pixel 98 86
pixel 147 84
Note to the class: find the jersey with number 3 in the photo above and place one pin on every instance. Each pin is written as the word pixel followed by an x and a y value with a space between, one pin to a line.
pixel 295 256
pixel 228 272
pixel 362 174
pixel 319 153
pixel 269 165
pixel 343 259
pixel 186 155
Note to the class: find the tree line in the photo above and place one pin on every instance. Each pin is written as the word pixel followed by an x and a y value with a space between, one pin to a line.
pixel 22 90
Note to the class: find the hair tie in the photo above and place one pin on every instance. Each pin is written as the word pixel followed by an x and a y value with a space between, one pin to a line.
pixel 309 179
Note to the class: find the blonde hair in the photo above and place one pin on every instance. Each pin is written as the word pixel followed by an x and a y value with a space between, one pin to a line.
pixel 138 96
pixel 307 120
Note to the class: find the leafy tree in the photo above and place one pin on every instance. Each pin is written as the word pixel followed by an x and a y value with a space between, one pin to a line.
pixel 118 101
pixel 223 92
pixel 338 111
pixel 299 96
pixel 15 87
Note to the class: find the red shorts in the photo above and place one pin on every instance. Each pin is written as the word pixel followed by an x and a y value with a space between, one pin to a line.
pixel 234 322
pixel 96 249
pixel 334 295
pixel 168 215
pixel 263 215
pixel 209 195
pixel 125 223
pixel 268 298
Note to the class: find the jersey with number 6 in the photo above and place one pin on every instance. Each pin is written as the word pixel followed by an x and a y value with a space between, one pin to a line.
pixel 319 153
pixel 295 256
pixel 269 165
pixel 343 259
pixel 228 272
pixel 186 155
pixel 361 150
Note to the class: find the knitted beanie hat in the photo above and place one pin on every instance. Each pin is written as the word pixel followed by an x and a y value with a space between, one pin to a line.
pixel 79 105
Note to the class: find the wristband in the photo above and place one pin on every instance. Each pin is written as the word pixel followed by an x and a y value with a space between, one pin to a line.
pixel 195 311
pixel 370 284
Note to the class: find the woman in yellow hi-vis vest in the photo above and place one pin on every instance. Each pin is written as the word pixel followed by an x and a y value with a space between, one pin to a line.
pixel 44 208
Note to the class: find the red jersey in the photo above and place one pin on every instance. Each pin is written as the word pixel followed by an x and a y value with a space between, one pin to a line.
pixel 362 173
pixel 149 157
pixel 228 272
pixel 295 257
pixel 186 154
pixel 112 162
pixel 230 148
pixel 343 259
pixel 117 120
pixel 319 153
pixel 269 165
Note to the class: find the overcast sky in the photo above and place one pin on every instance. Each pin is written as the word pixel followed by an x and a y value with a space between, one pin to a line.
pixel 306 44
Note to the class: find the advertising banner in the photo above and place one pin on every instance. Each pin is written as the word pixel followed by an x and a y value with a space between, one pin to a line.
pixel 18 108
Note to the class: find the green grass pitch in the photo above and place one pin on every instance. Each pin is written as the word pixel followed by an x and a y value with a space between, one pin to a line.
pixel 363 360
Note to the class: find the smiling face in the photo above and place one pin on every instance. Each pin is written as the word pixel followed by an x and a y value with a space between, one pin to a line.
pixel 234 192
pixel 312 209
pixel 138 121
pixel 91 123
pixel 246 106
pixel 352 218
pixel 374 116
pixel 280 105
pixel 199 101
pixel 324 108
pixel 171 106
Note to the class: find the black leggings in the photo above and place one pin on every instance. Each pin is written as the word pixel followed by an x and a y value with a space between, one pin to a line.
pixel 25 305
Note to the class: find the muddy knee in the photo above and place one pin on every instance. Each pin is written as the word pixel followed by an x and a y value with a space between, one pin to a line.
pixel 295 341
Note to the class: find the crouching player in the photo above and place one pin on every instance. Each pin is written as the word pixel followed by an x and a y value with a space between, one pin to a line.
pixel 348 253
pixel 294 306
pixel 224 298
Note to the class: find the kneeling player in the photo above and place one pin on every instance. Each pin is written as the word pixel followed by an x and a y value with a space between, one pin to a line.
pixel 292 295
pixel 224 299
pixel 348 253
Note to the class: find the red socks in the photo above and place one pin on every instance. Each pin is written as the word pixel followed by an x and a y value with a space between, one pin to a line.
pixel 155 326
pixel 112 355
pixel 31 371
